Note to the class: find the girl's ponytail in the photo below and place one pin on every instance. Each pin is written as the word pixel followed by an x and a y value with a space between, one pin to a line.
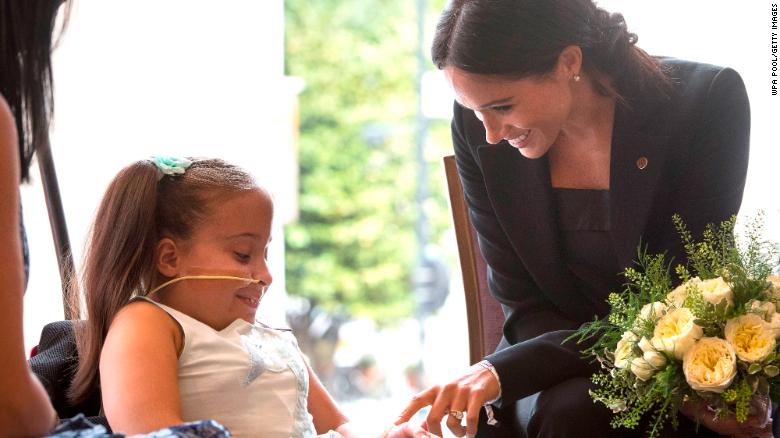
pixel 118 263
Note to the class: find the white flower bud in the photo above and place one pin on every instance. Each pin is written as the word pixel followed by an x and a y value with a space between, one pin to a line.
pixel 642 369
pixel 652 311
pixel 623 349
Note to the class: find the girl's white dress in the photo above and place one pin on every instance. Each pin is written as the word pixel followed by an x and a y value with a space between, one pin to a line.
pixel 249 377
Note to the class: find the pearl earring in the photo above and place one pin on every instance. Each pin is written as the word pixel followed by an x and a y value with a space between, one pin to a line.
pixel 576 78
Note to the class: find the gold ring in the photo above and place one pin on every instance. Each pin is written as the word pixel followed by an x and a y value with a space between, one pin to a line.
pixel 458 415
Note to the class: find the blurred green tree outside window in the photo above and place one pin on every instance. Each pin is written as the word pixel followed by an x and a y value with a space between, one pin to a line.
pixel 352 251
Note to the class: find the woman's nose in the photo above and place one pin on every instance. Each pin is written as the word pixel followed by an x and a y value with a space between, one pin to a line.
pixel 494 131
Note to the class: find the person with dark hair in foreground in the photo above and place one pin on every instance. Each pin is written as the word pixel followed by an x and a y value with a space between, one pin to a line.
pixel 26 29
pixel 573 146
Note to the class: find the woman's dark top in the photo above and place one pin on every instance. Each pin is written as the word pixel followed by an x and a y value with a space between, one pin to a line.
pixel 583 220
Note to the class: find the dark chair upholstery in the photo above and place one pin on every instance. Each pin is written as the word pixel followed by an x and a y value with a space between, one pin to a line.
pixel 55 363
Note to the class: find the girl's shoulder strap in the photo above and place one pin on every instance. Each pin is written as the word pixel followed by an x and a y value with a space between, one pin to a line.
pixel 177 317
pixel 266 326
pixel 141 320
pixel 173 313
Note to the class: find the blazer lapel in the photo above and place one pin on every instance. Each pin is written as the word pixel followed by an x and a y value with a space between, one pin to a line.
pixel 638 156
pixel 521 195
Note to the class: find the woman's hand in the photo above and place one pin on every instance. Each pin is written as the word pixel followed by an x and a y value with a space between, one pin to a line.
pixel 462 397
pixel 758 423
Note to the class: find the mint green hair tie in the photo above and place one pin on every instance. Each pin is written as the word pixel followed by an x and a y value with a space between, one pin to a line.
pixel 171 165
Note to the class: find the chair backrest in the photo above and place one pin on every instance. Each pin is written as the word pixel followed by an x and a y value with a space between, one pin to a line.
pixel 483 312
pixel 59 229
pixel 55 364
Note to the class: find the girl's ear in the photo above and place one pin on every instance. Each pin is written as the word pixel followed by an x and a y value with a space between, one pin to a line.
pixel 167 257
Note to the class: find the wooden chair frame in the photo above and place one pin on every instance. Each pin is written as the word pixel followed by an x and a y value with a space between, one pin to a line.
pixel 483 313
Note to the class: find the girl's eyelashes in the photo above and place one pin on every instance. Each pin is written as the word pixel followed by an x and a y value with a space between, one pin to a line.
pixel 502 108
pixel 241 257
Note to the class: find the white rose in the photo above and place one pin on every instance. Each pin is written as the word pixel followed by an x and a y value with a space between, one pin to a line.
pixel 716 290
pixel 678 295
pixel 774 286
pixel 623 349
pixel 650 354
pixel 675 333
pixel 774 325
pixel 652 311
pixel 751 337
pixel 764 309
pixel 710 365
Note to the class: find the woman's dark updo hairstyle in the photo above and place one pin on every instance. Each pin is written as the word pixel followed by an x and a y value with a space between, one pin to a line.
pixel 523 38
pixel 26 31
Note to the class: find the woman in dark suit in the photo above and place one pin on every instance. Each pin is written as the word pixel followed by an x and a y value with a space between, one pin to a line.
pixel 25 108
pixel 573 145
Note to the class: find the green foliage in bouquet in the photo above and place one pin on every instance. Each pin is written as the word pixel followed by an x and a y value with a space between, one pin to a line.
pixel 746 267
pixel 712 339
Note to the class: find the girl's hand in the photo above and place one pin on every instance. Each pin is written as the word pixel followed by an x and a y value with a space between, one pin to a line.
pixel 758 423
pixel 405 430
pixel 462 397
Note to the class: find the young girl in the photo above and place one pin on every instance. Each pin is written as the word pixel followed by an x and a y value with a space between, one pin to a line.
pixel 174 272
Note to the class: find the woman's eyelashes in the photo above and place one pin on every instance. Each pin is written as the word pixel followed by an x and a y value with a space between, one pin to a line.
pixel 502 108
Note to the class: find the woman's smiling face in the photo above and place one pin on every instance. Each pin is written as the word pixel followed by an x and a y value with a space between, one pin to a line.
pixel 528 113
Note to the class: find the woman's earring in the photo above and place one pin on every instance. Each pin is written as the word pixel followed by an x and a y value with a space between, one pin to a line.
pixel 576 78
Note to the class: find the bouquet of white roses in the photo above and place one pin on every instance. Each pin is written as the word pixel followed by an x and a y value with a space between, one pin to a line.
pixel 711 340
